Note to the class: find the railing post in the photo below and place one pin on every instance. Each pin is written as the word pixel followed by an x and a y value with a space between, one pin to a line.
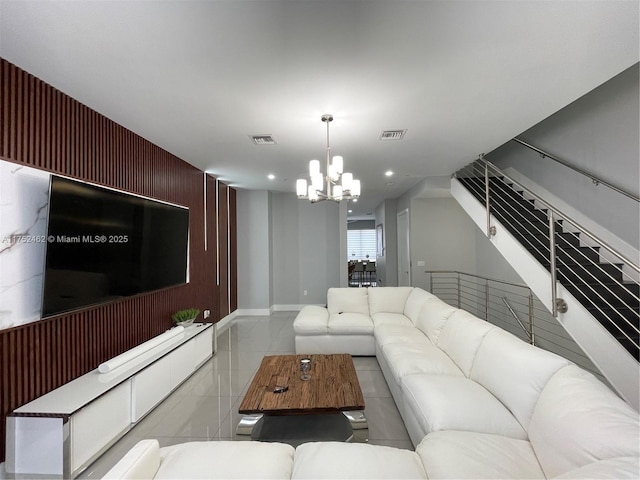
pixel 486 300
pixel 486 196
pixel 458 276
pixel 558 305
pixel 552 263
pixel 532 334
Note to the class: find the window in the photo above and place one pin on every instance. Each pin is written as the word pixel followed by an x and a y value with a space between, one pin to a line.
pixel 361 243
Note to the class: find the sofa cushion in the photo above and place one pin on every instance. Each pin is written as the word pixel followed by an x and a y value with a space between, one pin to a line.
pixel 514 371
pixel 385 318
pixel 311 320
pixel 388 299
pixel 352 300
pixel 415 302
pixel 432 317
pixel 624 467
pixel 413 358
pixel 141 462
pixel 350 324
pixel 475 455
pixel 226 460
pixel 333 460
pixel 578 420
pixel 460 338
pixel 386 334
pixel 445 402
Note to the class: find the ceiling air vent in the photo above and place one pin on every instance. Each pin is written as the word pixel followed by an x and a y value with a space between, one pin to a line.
pixel 263 139
pixel 392 134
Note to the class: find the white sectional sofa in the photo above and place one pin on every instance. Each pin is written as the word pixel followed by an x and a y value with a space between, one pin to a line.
pixel 477 403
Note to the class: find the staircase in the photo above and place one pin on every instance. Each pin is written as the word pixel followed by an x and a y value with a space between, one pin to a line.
pixel 609 290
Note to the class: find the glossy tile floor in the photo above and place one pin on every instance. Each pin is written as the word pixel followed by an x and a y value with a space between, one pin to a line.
pixel 205 407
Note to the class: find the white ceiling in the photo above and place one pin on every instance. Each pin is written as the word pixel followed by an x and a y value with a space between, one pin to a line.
pixel 199 77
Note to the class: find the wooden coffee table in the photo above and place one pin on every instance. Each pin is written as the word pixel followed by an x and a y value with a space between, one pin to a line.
pixel 333 388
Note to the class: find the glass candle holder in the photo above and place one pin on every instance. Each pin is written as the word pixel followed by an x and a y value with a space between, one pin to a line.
pixel 305 368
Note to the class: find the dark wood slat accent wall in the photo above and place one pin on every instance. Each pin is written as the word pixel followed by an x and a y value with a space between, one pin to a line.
pixel 43 128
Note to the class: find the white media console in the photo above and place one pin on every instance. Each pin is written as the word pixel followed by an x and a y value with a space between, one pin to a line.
pixel 64 431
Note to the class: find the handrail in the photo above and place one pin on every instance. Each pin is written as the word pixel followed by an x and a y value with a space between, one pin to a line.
pixel 566 218
pixel 594 179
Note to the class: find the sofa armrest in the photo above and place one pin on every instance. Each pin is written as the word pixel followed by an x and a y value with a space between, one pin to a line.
pixel 311 320
pixel 141 462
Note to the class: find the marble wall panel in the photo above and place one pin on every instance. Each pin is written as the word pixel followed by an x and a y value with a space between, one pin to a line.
pixel 24 196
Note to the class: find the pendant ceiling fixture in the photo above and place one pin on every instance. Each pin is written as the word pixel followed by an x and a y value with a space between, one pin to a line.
pixel 335 185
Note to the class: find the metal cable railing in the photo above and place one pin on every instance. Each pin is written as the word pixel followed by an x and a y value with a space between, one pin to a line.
pixel 604 281
pixel 485 298
pixel 511 306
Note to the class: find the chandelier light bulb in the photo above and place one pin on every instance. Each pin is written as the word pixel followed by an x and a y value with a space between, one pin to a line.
pixel 355 188
pixel 317 181
pixel 314 168
pixel 347 181
pixel 301 187
pixel 338 164
pixel 333 173
pixel 313 194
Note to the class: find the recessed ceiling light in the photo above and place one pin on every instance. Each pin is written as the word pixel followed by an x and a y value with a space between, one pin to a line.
pixel 388 173
pixel 271 176
pixel 354 200
pixel 350 211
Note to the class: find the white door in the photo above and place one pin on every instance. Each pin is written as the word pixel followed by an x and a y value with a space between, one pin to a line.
pixel 404 263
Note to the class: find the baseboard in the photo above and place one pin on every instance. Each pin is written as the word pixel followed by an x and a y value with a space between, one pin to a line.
pixel 254 312
pixel 225 322
pixel 259 312
pixel 286 308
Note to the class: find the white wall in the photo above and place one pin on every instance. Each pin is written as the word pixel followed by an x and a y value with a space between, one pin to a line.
pixel 286 247
pixel 442 236
pixel 320 251
pixel 254 286
pixel 598 133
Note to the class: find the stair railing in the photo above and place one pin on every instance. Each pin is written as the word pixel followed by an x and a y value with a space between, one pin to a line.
pixel 493 189
pixel 594 179
pixel 497 301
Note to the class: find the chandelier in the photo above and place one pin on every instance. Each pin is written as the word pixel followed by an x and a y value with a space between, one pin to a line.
pixel 335 185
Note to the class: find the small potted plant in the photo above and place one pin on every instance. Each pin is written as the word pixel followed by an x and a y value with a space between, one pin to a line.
pixel 185 317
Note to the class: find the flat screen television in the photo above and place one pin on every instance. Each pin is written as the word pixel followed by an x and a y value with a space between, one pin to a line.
pixel 104 244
